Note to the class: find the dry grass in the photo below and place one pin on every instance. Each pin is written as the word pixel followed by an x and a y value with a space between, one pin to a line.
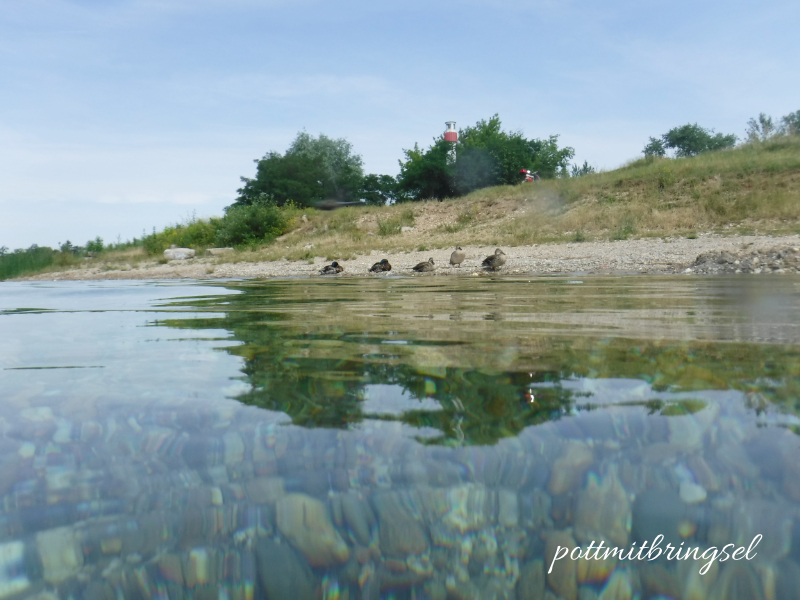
pixel 751 189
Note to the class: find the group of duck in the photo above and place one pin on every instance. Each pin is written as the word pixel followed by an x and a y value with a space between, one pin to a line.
pixel 492 263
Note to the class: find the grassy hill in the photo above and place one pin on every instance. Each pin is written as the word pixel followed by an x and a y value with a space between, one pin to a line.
pixel 752 189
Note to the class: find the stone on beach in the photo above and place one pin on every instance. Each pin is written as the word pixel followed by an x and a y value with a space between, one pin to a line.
pixel 178 253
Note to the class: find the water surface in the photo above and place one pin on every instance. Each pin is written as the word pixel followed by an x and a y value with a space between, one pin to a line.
pixel 397 437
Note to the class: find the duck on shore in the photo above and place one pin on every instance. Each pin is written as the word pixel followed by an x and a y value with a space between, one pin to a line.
pixel 332 269
pixel 457 257
pixel 380 267
pixel 495 261
pixel 424 266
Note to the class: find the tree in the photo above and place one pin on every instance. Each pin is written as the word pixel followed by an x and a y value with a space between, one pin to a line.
pixel 485 156
pixel 426 174
pixel 586 169
pixel 311 170
pixel 378 190
pixel 655 147
pixel 790 124
pixel 95 245
pixel 691 140
pixel 340 170
pixel 760 130
pixel 283 178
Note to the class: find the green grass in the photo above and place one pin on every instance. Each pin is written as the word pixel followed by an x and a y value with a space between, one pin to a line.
pixel 33 260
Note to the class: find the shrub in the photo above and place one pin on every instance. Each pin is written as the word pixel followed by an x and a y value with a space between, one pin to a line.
pixel 194 233
pixel 251 225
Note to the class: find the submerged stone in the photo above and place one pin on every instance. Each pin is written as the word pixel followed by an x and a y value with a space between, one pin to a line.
pixel 284 574
pixel 531 581
pixel 603 512
pixel 738 581
pixel 569 468
pixel 60 554
pixel 400 533
pixel 355 512
pixel 563 576
pixel 305 523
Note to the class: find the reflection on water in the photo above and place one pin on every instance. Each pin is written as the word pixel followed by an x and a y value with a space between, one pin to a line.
pixel 398 438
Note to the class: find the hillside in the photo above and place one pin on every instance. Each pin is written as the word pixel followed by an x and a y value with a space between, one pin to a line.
pixel 750 190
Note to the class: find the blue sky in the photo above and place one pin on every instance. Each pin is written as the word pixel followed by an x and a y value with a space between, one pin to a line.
pixel 120 115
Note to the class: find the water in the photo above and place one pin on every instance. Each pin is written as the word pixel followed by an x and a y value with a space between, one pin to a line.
pixel 399 438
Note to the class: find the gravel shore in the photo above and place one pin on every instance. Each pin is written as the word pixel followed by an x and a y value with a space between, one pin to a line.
pixel 707 254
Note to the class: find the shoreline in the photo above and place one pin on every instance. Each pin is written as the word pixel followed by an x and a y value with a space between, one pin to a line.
pixel 706 254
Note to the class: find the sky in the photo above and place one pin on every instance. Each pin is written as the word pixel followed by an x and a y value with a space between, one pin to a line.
pixel 117 116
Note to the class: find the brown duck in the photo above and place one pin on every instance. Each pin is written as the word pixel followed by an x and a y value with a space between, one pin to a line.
pixel 332 269
pixel 457 257
pixel 380 267
pixel 495 261
pixel 424 266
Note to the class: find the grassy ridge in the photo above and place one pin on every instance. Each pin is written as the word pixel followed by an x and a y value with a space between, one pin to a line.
pixel 754 188
pixel 751 189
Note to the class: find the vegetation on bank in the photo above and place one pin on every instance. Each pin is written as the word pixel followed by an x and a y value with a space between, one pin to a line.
pixel 752 188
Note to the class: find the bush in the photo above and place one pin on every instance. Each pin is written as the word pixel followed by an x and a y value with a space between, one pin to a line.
pixel 251 225
pixel 195 233
pixel 95 245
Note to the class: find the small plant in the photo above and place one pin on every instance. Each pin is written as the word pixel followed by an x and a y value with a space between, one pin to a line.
pixel 579 236
pixel 664 178
pixel 394 225
pixel 625 229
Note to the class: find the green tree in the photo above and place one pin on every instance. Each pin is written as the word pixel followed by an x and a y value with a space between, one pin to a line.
pixel 691 140
pixel 761 129
pixel 426 174
pixel 282 178
pixel 485 156
pixel 95 245
pixel 340 169
pixel 311 170
pixel 585 169
pixel 378 190
pixel 655 147
pixel 790 124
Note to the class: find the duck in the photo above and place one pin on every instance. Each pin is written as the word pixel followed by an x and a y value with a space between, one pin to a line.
pixel 495 261
pixel 332 269
pixel 457 257
pixel 424 266
pixel 380 267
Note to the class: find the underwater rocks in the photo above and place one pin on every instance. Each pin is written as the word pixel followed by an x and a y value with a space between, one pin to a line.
pixel 283 574
pixel 603 512
pixel 569 468
pixel 401 534
pixel 563 577
pixel 305 523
